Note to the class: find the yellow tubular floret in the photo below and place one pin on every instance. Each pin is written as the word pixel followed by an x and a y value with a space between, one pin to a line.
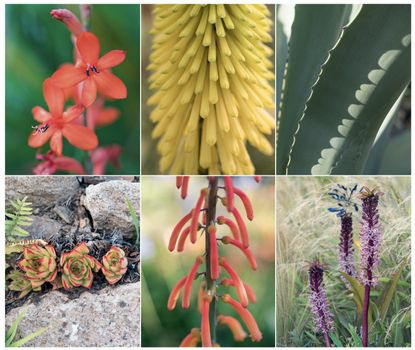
pixel 212 81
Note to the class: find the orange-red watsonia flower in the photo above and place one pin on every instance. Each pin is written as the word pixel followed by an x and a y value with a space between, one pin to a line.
pixel 239 286
pixel 182 239
pixel 246 251
pixel 192 339
pixel 187 289
pixel 93 71
pixel 214 257
pixel 232 226
pixel 246 202
pixel 57 123
pixel 175 293
pixel 184 186
pixel 103 155
pixel 234 325
pixel 177 229
pixel 97 115
pixel 229 192
pixel 50 163
pixel 205 325
pixel 249 291
pixel 246 316
pixel 68 19
pixel 194 225
pixel 241 226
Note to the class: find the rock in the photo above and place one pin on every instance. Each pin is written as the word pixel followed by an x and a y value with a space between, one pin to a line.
pixel 43 227
pixel 106 203
pixel 109 317
pixel 64 213
pixel 41 191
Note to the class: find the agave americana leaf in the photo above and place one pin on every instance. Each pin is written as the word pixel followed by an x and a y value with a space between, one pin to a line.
pixel 396 159
pixel 315 30
pixel 365 74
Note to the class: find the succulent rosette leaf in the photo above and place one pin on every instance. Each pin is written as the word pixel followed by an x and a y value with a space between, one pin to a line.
pixel 78 267
pixel 39 264
pixel 114 265
pixel 20 283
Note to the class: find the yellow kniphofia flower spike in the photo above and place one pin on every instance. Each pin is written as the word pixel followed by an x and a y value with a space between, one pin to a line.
pixel 211 75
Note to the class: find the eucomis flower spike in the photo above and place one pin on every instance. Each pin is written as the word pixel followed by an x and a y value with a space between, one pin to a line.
pixel 215 273
pixel 213 91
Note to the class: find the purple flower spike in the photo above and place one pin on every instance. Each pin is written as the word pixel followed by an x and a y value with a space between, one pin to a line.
pixel 323 318
pixel 370 239
pixel 346 250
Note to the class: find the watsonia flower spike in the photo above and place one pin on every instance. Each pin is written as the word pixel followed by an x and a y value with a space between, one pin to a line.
pixel 211 76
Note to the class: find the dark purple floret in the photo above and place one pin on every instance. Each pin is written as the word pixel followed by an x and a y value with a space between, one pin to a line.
pixel 370 238
pixel 323 318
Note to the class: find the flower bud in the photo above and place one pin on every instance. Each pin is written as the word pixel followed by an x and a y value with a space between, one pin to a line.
pixel 179 181
pixel 182 239
pixel 229 192
pixel 234 325
pixel 240 289
pixel 214 258
pixel 176 231
pixel 68 19
pixel 205 326
pixel 232 226
pixel 242 227
pixel 192 339
pixel 249 291
pixel 246 316
pixel 246 251
pixel 246 202
pixel 189 282
pixel 184 186
pixel 175 293
pixel 194 226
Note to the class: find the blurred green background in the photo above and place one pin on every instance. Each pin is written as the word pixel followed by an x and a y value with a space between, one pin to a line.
pixel 161 209
pixel 36 45
pixel 264 165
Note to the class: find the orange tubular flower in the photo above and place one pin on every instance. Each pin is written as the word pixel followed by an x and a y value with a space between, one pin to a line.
pixel 242 227
pixel 205 327
pixel 246 202
pixel 246 316
pixel 200 296
pixel 68 19
pixel 229 192
pixel 257 179
pixel 234 325
pixel 50 163
pixel 192 339
pixel 239 286
pixel 246 251
pixel 182 239
pixel 194 226
pixel 223 220
pixel 249 291
pixel 175 293
pixel 185 187
pixel 93 71
pixel 189 282
pixel 177 229
pixel 179 181
pixel 214 258
pixel 58 123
